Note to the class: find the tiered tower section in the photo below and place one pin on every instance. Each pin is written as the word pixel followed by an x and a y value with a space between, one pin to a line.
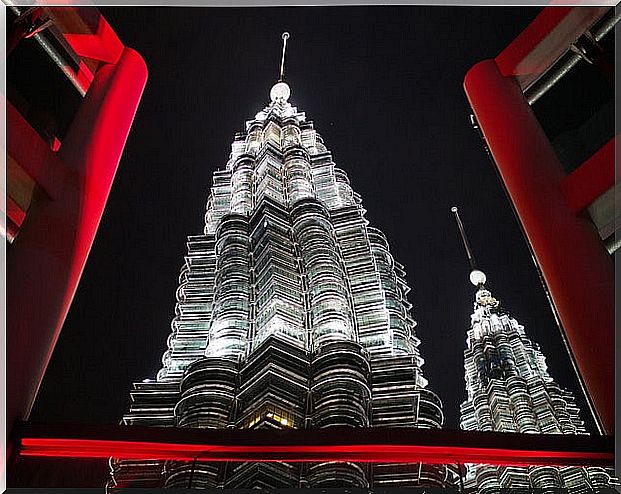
pixel 510 390
pixel 291 312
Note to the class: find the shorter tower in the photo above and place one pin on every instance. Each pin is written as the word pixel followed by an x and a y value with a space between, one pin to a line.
pixel 509 389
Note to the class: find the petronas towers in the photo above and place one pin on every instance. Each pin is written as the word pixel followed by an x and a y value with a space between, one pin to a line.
pixel 292 313
pixel 510 390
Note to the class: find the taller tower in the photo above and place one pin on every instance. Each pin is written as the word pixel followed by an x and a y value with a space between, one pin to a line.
pixel 509 390
pixel 291 312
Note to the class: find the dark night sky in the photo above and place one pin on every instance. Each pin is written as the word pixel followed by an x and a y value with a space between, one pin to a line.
pixel 383 86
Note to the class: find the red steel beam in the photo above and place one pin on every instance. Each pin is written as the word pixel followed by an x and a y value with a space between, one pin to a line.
pixel 544 40
pixel 102 45
pixel 574 262
pixel 46 259
pixel 591 179
pixel 376 445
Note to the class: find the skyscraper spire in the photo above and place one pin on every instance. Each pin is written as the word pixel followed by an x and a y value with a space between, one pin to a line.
pixel 477 277
pixel 280 91
pixel 285 37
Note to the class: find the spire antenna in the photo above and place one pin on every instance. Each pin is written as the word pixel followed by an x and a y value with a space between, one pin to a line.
pixel 285 37
pixel 477 277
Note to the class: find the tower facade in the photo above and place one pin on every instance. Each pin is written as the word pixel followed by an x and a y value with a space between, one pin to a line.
pixel 291 312
pixel 509 389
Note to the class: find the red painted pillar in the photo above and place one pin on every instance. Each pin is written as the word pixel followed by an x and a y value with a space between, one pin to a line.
pixel 45 262
pixel 572 258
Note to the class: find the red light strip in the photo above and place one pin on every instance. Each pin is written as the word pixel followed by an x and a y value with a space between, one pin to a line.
pixel 375 453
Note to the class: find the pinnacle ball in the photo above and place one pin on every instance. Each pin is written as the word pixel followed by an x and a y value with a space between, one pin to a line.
pixel 477 277
pixel 280 92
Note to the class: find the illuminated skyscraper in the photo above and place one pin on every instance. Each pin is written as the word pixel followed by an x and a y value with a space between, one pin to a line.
pixel 510 390
pixel 291 312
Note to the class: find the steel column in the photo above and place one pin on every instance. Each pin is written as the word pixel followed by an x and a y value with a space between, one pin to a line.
pixel 575 264
pixel 46 260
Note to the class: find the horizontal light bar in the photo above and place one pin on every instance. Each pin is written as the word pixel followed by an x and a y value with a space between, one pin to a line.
pixel 376 445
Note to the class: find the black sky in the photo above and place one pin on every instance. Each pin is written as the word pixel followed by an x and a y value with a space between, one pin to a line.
pixel 383 86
